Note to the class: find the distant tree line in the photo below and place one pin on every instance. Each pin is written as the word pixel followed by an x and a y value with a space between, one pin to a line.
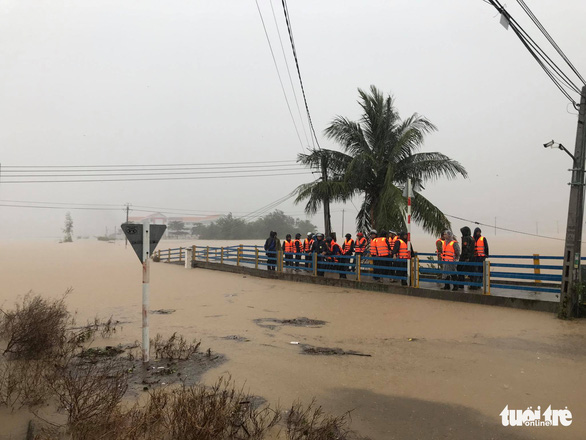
pixel 230 227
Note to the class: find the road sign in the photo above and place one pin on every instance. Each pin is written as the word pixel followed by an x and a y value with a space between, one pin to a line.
pixel 134 232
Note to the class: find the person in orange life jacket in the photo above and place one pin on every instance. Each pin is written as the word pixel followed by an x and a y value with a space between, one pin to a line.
pixel 373 253
pixel 272 246
pixel 402 253
pixel 383 250
pixel 450 254
pixel 467 252
pixel 480 254
pixel 288 249
pixel 307 245
pixel 360 245
pixel 393 237
pixel 320 248
pixel 348 251
pixel 439 246
pixel 333 249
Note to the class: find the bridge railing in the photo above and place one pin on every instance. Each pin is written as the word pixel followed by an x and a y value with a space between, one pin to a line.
pixel 514 272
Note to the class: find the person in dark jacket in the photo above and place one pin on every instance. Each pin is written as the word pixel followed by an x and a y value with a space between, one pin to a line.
pixel 298 244
pixel 272 246
pixel 320 248
pixel 480 254
pixel 467 252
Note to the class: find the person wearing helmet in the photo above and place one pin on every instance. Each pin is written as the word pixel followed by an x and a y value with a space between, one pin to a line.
pixel 307 245
pixel 298 247
pixel 320 248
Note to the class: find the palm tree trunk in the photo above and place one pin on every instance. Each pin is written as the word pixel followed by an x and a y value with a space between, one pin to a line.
pixel 326 201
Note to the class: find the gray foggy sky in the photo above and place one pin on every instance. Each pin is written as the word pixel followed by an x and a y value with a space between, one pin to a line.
pixel 148 82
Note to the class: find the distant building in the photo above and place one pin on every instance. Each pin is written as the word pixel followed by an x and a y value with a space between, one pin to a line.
pixel 161 219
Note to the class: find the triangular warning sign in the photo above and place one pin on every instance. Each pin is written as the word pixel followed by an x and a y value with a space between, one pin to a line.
pixel 134 233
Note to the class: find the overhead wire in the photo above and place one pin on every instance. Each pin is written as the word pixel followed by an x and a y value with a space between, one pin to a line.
pixel 503 229
pixel 279 75
pixel 550 38
pixel 554 72
pixel 244 164
pixel 231 176
pixel 290 30
pixel 289 72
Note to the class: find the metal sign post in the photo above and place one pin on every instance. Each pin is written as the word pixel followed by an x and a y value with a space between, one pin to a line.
pixel 144 239
pixel 146 276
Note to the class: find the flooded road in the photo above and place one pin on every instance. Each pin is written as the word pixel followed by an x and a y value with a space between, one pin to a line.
pixel 437 369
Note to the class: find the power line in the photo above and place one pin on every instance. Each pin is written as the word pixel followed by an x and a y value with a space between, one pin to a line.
pixel 289 74
pixel 106 174
pixel 503 229
pixel 153 179
pixel 279 75
pixel 12 172
pixel 549 38
pixel 558 77
pixel 286 12
pixel 153 165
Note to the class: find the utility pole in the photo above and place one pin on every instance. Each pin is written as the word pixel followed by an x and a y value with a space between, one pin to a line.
pixel 326 201
pixel 569 298
pixel 343 222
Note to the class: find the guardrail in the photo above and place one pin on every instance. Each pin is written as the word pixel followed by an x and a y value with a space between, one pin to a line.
pixel 500 271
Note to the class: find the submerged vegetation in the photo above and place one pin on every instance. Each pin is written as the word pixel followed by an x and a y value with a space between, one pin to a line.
pixel 47 362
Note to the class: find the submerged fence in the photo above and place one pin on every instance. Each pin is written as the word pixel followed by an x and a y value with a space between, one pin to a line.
pixel 423 270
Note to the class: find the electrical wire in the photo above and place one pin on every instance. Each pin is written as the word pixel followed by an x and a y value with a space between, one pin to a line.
pixel 104 174
pixel 503 229
pixel 289 72
pixel 286 12
pixel 154 179
pixel 549 38
pixel 244 164
pixel 279 75
pixel 553 71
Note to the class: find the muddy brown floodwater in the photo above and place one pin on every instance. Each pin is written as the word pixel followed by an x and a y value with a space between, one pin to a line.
pixel 425 368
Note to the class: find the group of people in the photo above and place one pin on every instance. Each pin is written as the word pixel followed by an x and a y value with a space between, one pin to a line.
pixel 474 249
pixel 388 246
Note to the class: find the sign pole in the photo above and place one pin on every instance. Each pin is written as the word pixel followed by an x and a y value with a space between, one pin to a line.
pixel 409 195
pixel 146 276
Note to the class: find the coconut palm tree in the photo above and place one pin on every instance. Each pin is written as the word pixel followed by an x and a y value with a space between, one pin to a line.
pixel 379 153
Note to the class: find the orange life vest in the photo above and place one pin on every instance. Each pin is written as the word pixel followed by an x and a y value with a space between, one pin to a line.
pixel 307 244
pixel 382 247
pixel 347 246
pixel 479 248
pixel 333 246
pixel 360 245
pixel 298 245
pixel 448 253
pixel 373 246
pixel 404 253
pixel 289 247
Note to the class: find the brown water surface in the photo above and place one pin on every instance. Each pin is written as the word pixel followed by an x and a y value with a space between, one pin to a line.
pixel 436 369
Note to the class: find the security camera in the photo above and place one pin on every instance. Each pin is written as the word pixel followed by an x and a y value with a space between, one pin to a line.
pixel 549 144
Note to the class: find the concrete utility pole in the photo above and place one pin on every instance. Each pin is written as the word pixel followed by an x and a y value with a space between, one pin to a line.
pixel 569 298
